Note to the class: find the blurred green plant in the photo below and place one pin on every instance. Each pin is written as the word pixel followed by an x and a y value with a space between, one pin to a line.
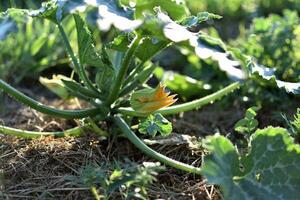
pixel 275 42
pixel 249 123
pixel 36 46
pixel 130 179
pixel 243 9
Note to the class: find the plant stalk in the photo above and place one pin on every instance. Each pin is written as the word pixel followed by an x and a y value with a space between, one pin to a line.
pixel 150 152
pixel 123 70
pixel 77 131
pixel 196 104
pixel 68 114
pixel 78 67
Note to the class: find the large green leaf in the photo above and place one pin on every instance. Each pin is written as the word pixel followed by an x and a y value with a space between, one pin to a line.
pixel 175 8
pixel 271 169
pixel 109 13
pixel 229 60
pixel 201 43
pixel 150 47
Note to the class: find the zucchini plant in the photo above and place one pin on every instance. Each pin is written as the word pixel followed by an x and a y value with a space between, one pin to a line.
pixel 116 87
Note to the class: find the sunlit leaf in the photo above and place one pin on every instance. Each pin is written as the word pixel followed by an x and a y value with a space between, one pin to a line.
pixel 191 21
pixel 175 8
pixel 179 33
pixel 148 48
pixel 269 75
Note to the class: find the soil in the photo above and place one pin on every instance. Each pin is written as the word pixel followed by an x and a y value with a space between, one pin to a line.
pixel 37 168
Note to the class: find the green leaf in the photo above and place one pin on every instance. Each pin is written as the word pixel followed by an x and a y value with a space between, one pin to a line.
pixel 177 9
pixel 111 14
pixel 105 74
pixel 77 88
pixel 104 78
pixel 205 47
pixel 191 21
pixel 89 55
pixel 269 171
pixel 87 50
pixel 149 47
pixel 249 123
pixel 155 123
pixel 38 44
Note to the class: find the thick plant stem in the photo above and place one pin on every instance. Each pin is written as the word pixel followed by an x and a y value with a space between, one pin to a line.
pixel 140 79
pixel 150 152
pixel 134 72
pixel 123 70
pixel 78 67
pixel 68 114
pixel 95 127
pixel 77 131
pixel 185 106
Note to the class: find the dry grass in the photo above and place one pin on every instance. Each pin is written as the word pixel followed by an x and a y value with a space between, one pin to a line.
pixel 37 169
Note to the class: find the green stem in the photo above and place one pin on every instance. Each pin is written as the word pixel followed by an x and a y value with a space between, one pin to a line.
pixel 196 104
pixel 69 114
pixel 140 79
pixel 123 70
pixel 150 152
pixel 134 72
pixel 77 131
pixel 78 67
pixel 96 128
pixel 95 193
